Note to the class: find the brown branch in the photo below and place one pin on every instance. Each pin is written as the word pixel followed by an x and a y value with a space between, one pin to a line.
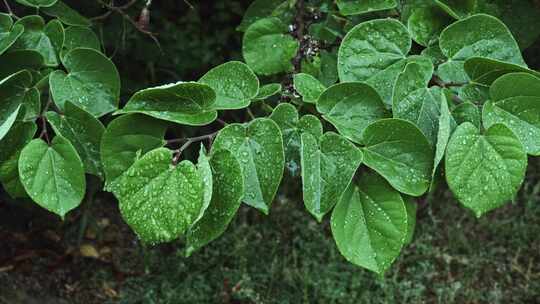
pixel 188 141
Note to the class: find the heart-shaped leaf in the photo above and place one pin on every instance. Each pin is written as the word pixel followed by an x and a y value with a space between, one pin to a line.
pixel 92 82
pixel 328 166
pixel 369 224
pixel 53 175
pixel 308 86
pixel 8 32
pixel 13 91
pixel 485 70
pixel 205 170
pixel 258 146
pixel 426 23
pixel 45 39
pixel 15 61
pixel 484 170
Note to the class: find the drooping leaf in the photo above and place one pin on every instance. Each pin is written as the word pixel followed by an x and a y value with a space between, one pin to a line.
pixel 126 139
pixel 467 112
pixel 308 86
pixel 235 85
pixel 446 126
pixel 457 8
pixel 66 14
pixel 411 205
pixel 228 187
pixel 355 7
pixel 8 32
pixel 267 91
pixel 485 71
pixel 258 10
pixel 369 224
pixel 47 39
pixel 268 48
pixel 83 131
pixel 515 102
pixel 328 166
pixel 292 126
pixel 37 3
pixel 53 175
pixel 205 170
pixel 159 200
pixel 20 134
pixel 92 82
pixel 258 146
pixel 484 170
pixel 351 107
pixel 188 103
pixel 400 153
pixel 80 37
pixel 13 90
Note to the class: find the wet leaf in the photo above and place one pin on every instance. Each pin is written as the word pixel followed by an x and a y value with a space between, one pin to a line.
pixel 8 32
pixel 355 7
pixel 13 91
pixel 47 39
pixel 268 90
pixel 308 86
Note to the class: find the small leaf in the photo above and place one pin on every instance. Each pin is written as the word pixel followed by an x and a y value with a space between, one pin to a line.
pixel 13 90
pixel 467 112
pixel 37 3
pixel 446 126
pixel 66 14
pixel 126 139
pixel 351 107
pixel 258 146
pixel 398 151
pixel 411 205
pixel 355 7
pixel 267 91
pixel 45 39
pixel 235 85
pixel 515 102
pixel 308 86
pixel 92 82
pixel 8 32
pixel 53 176
pixel 327 169
pixel 267 47
pixel 228 191
pixel 159 200
pixel 484 171
pixel 83 131
pixel 188 103
pixel 205 170
pixel 369 224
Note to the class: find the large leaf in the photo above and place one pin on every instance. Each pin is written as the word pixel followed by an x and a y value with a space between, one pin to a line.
pixel 258 146
pixel 8 32
pixel 355 7
pixel 13 91
pixel 267 47
pixel 45 39
pixel 83 131
pixel 66 14
pixel 37 3
pixel 484 170
pixel 92 82
pixel 188 103
pixel 20 134
pixel 228 188
pixel 476 36
pixel 369 224
pixel 235 85
pixel 308 86
pixel 398 151
pixel 292 126
pixel 158 200
pixel 328 166
pixel 126 139
pixel 351 107
pixel 515 102
pixel 53 175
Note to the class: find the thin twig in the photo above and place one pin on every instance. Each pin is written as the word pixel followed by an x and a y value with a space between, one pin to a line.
pixel 188 142
pixel 10 11
pixel 43 119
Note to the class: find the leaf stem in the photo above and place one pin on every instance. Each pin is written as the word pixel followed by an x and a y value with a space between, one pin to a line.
pixel 10 11
pixel 188 141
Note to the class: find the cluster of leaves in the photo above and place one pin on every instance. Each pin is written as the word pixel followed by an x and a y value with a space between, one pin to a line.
pixel 338 97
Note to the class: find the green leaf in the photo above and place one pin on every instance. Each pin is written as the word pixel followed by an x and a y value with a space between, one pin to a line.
pixel 20 134
pixel 355 7
pixel 327 169
pixel 126 139
pixel 351 107
pixel 13 90
pixel 292 126
pixel 228 192
pixel 66 14
pixel 515 102
pixel 369 224
pixel 83 131
pixel 486 71
pixel 159 200
pixel 235 85
pixel 37 3
pixel 92 82
pixel 268 48
pixel 308 86
pixel 322 66
pixel 205 170
pixel 15 61
pixel 446 126
pixel 467 112
pixel 258 10
pixel 486 36
pixel 258 146
pixel 188 103
pixel 53 175
pixel 9 33
pixel 425 24
pixel 411 205
pixel 457 8
pixel 398 151
pixel 80 37
pixel 267 91
pixel 45 39
pixel 484 171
